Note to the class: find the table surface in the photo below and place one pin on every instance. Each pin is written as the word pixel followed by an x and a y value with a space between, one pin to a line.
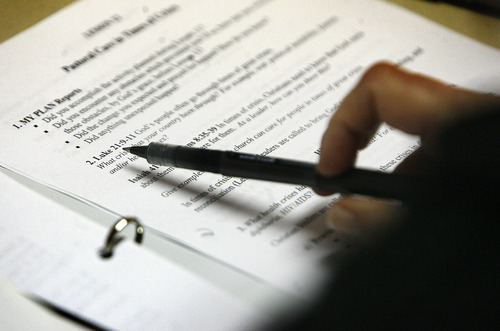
pixel 17 15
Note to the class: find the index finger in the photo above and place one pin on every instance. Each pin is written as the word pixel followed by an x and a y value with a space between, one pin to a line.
pixel 410 102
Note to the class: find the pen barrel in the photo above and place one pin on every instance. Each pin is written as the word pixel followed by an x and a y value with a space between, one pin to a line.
pixel 267 168
pixel 183 157
pixel 354 181
pixel 371 183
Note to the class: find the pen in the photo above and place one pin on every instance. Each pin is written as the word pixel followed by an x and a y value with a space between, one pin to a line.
pixel 229 163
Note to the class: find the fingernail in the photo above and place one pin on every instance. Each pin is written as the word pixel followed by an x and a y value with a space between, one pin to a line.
pixel 342 220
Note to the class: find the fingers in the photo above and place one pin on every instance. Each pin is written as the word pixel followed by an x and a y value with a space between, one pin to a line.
pixel 410 102
pixel 363 218
pixel 412 163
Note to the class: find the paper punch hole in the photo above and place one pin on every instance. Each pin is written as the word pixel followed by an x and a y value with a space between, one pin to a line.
pixel 112 240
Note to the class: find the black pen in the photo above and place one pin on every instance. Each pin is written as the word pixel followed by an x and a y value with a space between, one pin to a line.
pixel 353 181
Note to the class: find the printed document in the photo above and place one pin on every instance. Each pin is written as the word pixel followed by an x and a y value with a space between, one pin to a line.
pixel 253 76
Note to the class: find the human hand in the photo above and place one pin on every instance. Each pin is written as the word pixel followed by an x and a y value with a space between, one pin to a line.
pixel 410 102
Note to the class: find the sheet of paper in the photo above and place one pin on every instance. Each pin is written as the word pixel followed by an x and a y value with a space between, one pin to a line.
pixel 259 76
pixel 51 252
pixel 16 307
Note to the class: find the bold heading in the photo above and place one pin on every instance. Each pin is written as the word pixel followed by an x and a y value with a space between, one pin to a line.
pixel 48 107
pixel 119 39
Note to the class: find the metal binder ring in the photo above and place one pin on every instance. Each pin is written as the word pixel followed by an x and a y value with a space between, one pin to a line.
pixel 112 240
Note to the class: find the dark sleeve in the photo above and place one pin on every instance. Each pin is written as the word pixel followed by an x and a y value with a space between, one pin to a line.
pixel 491 7
pixel 438 269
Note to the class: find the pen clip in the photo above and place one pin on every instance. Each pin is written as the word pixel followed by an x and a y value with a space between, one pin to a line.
pixel 112 240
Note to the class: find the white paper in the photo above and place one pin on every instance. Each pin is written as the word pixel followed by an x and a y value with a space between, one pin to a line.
pixel 259 77
pixel 15 308
pixel 51 252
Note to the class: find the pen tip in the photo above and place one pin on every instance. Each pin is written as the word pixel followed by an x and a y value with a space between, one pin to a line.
pixel 140 151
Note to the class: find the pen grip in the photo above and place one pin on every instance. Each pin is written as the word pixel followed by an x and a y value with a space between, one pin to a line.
pixel 183 157
pixel 371 183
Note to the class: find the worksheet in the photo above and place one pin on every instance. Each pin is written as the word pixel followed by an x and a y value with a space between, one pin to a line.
pixel 253 76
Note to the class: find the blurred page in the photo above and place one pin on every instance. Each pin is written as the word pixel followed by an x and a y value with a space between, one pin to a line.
pixel 15 308
pixel 51 252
